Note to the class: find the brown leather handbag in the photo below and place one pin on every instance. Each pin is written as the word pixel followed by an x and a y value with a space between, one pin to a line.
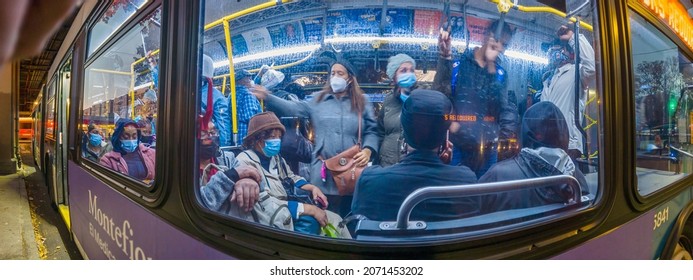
pixel 343 167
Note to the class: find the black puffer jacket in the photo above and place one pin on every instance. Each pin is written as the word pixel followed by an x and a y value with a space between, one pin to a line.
pixel 544 139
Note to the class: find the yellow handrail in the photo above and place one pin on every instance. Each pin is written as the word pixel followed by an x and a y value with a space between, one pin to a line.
pixel 132 80
pixel 232 82
pixel 224 21
pixel 240 13
pixel 111 72
pixel 546 10
pixel 229 49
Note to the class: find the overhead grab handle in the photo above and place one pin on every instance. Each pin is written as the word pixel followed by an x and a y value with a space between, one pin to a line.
pixel 503 7
pixel 542 10
pixel 426 193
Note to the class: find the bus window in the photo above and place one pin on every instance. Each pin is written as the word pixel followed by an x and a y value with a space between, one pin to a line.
pixel 296 58
pixel 121 89
pixel 117 14
pixel 664 108
pixel 50 111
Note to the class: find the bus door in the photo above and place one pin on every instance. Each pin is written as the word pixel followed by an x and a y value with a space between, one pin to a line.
pixel 62 104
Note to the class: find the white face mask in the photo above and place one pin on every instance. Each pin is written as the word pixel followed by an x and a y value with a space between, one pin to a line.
pixel 338 84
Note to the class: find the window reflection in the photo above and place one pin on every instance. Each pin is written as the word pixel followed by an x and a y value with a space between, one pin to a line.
pixel 117 14
pixel 663 101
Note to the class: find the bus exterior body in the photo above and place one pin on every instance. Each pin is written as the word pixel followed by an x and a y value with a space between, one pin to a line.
pixel 636 209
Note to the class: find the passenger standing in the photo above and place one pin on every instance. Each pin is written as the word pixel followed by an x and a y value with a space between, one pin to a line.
pixel 221 115
pixel 559 86
pixel 545 140
pixel 334 114
pixel 248 105
pixel 94 144
pixel 484 113
pixel 149 102
pixel 381 190
pixel 400 68
pixel 129 155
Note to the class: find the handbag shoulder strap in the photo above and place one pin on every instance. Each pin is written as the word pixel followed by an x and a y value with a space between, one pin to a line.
pixel 360 121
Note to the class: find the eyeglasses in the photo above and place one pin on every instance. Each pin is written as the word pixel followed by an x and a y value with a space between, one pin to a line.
pixel 209 134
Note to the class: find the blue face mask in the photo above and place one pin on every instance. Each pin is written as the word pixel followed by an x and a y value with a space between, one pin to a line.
pixel 128 145
pixel 403 97
pixel 406 80
pixel 558 58
pixel 272 147
pixel 95 139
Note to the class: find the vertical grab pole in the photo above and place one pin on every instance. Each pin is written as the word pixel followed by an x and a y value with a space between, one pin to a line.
pixel 132 91
pixel 232 82
pixel 578 89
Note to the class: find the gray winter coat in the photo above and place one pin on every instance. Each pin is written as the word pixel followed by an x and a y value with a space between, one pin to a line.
pixel 336 128
pixel 215 190
pixel 390 130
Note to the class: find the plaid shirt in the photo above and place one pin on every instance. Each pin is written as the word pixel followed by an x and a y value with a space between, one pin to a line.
pixel 248 106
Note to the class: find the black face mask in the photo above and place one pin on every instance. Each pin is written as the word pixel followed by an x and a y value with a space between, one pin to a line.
pixel 149 139
pixel 208 151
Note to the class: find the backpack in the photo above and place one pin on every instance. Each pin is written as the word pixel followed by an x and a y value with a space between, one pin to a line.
pixel 271 211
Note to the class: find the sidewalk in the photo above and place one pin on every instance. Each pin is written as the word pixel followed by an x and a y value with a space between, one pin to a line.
pixel 17 239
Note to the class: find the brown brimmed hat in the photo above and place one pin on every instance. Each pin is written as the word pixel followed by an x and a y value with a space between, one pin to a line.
pixel 261 122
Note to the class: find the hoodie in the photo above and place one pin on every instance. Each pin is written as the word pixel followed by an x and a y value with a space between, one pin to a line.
pixel 114 159
pixel 545 140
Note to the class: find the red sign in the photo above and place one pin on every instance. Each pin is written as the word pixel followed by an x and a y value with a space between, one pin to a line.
pixel 427 22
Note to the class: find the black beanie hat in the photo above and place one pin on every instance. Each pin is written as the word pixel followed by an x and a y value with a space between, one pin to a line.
pixel 347 64
pixel 423 119
pixel 543 125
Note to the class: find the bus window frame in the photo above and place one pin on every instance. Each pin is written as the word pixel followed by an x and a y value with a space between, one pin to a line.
pixel 100 11
pixel 50 99
pixel 226 231
pixel 150 195
pixel 666 193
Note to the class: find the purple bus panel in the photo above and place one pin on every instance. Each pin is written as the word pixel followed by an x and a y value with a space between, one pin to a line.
pixel 108 225
pixel 642 238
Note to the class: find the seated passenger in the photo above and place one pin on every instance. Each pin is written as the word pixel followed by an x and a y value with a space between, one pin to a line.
pixel 262 145
pixel 93 144
pixel 129 156
pixel 226 186
pixel 545 139
pixel 381 190
pixel 146 136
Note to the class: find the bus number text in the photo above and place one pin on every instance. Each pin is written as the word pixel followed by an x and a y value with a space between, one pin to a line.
pixel 661 217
